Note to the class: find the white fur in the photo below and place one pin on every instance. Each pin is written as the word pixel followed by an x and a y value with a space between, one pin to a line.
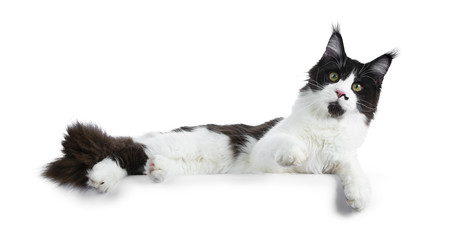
pixel 198 152
pixel 309 140
pixel 105 174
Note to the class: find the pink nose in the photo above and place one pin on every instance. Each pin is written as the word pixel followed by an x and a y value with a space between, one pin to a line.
pixel 340 93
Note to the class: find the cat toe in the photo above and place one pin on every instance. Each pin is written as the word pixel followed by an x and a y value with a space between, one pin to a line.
pixel 357 197
pixel 158 176
pixel 104 175
pixel 289 158
pixel 99 185
pixel 286 161
pixel 156 168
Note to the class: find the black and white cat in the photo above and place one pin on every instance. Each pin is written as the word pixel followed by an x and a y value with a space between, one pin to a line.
pixel 327 125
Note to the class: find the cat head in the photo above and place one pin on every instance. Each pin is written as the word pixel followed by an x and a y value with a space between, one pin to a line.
pixel 341 85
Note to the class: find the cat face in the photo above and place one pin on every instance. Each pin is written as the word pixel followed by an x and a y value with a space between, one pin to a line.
pixel 340 85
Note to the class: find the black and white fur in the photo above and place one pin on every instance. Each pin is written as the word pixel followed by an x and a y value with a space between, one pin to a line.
pixel 327 125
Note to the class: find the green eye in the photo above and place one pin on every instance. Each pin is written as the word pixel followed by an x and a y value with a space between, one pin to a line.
pixel 333 76
pixel 356 87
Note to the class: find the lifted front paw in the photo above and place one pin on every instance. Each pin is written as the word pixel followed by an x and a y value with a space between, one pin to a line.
pixel 294 156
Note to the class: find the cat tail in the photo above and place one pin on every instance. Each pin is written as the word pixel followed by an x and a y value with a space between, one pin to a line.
pixel 84 145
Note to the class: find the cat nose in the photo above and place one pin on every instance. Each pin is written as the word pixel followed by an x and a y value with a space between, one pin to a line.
pixel 340 94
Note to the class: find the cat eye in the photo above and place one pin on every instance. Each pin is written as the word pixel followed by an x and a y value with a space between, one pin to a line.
pixel 333 77
pixel 356 87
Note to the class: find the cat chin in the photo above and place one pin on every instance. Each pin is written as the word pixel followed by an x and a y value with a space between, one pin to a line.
pixel 335 110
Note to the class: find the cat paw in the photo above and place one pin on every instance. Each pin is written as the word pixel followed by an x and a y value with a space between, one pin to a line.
pixel 155 170
pixel 158 176
pixel 357 196
pixel 104 175
pixel 294 156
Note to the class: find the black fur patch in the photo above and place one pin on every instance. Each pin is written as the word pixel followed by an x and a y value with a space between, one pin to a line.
pixel 184 129
pixel 238 133
pixel 335 109
pixel 84 146
pixel 130 157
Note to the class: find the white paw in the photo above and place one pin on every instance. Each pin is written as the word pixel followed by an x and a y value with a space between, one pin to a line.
pixel 158 176
pixel 104 175
pixel 155 169
pixel 293 156
pixel 357 195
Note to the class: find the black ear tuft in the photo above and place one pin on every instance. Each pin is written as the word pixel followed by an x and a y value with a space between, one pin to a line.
pixel 393 53
pixel 379 67
pixel 336 28
pixel 335 46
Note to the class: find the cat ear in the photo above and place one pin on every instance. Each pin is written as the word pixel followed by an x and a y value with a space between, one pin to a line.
pixel 379 67
pixel 335 47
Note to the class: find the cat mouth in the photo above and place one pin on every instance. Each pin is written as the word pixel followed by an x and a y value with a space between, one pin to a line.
pixel 335 109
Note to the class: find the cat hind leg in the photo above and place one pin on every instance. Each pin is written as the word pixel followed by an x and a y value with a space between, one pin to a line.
pixel 105 175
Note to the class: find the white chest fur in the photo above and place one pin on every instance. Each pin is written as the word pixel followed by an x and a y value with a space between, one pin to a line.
pixel 316 143
pixel 330 141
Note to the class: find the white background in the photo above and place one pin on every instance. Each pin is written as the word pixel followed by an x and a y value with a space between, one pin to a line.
pixel 137 66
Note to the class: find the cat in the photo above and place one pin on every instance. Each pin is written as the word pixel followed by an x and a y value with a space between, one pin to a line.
pixel 328 123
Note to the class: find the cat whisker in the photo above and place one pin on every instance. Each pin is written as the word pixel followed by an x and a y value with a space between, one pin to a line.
pixel 364 101
pixel 315 84
pixel 370 108
pixel 368 104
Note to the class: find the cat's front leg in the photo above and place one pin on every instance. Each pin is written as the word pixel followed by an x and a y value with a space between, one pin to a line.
pixel 355 183
pixel 280 150
pixel 290 155
pixel 288 150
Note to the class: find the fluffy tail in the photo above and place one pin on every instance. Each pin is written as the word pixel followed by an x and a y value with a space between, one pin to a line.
pixel 84 146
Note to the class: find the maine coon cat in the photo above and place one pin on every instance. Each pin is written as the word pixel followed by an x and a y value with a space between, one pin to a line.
pixel 328 123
